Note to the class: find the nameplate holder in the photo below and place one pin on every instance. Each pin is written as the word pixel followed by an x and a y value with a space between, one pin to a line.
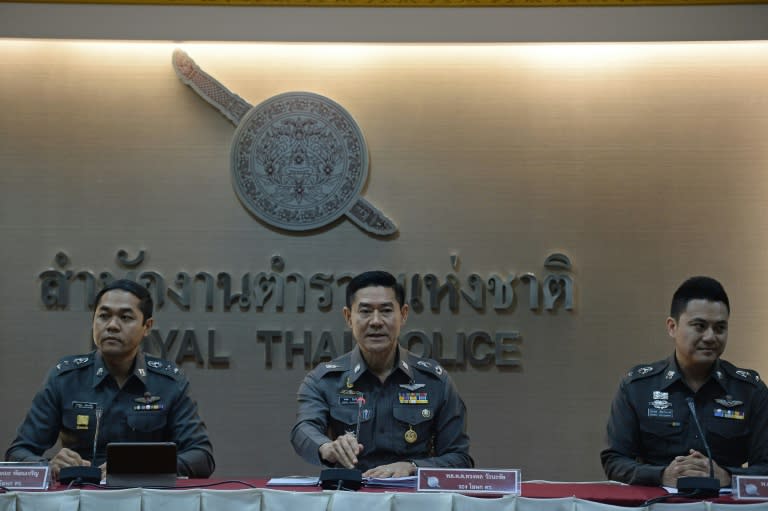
pixel 24 476
pixel 750 487
pixel 468 480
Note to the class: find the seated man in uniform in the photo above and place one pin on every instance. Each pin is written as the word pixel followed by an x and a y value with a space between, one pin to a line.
pixel 652 437
pixel 380 408
pixel 140 398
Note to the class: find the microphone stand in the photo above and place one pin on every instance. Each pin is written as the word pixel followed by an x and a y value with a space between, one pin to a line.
pixel 80 475
pixel 350 479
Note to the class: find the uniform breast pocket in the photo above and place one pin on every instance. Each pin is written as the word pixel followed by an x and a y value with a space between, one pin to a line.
pixel 416 418
pixel 78 427
pixel 346 415
pixel 417 429
pixel 413 414
pixel 661 437
pixel 729 437
pixel 147 425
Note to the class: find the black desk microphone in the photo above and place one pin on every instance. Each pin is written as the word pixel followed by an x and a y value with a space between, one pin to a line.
pixel 90 474
pixel 700 486
pixel 350 479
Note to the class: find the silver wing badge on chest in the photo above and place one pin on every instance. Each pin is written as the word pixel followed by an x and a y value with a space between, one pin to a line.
pixel 298 160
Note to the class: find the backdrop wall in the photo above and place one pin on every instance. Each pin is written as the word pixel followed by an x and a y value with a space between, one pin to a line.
pixel 643 163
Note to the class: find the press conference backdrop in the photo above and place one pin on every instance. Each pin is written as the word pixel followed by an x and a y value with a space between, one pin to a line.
pixel 641 163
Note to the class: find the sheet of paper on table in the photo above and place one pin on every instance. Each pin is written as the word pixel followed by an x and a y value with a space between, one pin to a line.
pixel 673 491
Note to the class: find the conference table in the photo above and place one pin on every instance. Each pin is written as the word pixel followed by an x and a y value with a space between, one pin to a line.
pixel 255 495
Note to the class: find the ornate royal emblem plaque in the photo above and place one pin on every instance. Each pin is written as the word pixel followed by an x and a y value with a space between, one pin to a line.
pixel 299 160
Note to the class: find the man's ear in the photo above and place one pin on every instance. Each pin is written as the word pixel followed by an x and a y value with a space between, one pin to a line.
pixel 148 326
pixel 347 312
pixel 404 312
pixel 671 326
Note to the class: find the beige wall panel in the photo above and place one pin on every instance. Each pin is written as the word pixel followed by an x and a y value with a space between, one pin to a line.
pixel 645 163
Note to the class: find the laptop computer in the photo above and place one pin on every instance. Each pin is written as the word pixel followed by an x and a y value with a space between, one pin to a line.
pixel 135 464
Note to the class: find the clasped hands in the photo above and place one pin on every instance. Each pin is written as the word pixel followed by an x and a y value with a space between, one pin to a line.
pixel 695 464
pixel 344 451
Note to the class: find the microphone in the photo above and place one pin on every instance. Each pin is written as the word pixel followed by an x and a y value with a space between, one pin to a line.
pixel 350 479
pixel 700 486
pixel 360 403
pixel 99 411
pixel 79 475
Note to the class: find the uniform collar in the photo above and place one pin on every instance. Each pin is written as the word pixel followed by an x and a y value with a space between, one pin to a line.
pixel 358 366
pixel 101 372
pixel 672 373
pixel 718 374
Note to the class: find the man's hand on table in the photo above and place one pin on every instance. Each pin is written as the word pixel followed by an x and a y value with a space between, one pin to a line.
pixel 343 450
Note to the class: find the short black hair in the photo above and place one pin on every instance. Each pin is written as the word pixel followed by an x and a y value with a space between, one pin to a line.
pixel 697 288
pixel 375 278
pixel 137 290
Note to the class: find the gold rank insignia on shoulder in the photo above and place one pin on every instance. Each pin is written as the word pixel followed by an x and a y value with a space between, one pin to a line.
pixel 410 435
pixel 349 382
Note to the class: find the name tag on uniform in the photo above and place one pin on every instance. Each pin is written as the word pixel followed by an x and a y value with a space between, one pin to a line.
pixel 84 405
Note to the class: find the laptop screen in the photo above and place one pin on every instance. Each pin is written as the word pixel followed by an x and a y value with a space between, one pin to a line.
pixel 141 459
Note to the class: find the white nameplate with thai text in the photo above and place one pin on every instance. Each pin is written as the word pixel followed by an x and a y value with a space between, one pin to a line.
pixel 469 480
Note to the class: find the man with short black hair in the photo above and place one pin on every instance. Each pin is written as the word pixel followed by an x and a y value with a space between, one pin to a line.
pixel 140 398
pixel 380 408
pixel 652 436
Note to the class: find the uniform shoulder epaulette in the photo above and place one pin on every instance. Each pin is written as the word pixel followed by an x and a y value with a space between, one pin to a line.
pixel 747 375
pixel 73 362
pixel 426 365
pixel 162 366
pixel 645 370
pixel 338 365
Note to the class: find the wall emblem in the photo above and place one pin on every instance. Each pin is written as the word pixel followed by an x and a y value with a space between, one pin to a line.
pixel 298 160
